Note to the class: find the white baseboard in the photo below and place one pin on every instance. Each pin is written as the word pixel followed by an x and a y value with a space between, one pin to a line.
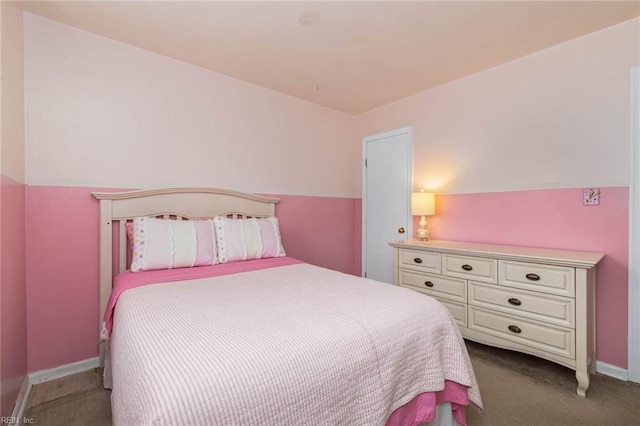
pixel 21 402
pixel 612 370
pixel 44 376
pixel 63 370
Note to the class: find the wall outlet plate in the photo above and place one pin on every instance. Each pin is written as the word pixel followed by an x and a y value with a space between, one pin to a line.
pixel 591 197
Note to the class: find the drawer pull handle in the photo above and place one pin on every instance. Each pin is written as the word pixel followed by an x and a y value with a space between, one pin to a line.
pixel 514 301
pixel 515 329
pixel 428 283
pixel 533 277
pixel 417 260
pixel 467 267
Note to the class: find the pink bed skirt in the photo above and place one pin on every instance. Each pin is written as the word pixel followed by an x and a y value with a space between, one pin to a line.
pixel 422 408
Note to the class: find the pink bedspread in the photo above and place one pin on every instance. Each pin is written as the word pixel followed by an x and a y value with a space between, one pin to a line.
pixel 420 409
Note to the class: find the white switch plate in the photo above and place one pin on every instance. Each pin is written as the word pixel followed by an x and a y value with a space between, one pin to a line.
pixel 591 197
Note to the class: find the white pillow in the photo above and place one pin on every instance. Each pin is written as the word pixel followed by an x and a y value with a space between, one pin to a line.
pixel 168 244
pixel 244 239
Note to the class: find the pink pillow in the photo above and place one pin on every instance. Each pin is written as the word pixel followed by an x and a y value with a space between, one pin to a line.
pixel 244 239
pixel 168 244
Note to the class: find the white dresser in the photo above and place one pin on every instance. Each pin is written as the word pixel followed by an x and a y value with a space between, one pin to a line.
pixel 538 301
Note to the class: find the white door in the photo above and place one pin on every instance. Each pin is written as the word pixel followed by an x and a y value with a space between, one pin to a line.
pixel 386 198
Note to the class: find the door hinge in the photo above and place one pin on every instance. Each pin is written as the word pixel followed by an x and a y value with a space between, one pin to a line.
pixel 365 274
pixel 365 162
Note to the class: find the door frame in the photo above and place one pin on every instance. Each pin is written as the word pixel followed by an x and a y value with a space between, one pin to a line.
pixel 633 360
pixel 408 130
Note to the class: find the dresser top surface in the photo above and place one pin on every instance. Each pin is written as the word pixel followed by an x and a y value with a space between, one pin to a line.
pixel 530 254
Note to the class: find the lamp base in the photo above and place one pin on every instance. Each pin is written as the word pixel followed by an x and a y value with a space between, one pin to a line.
pixel 422 233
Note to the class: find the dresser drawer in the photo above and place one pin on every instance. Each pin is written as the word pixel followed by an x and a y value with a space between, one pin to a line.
pixel 560 341
pixel 435 285
pixel 550 279
pixel 549 309
pixel 458 311
pixel 475 268
pixel 419 260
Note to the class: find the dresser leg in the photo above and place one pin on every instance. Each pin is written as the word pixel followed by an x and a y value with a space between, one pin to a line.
pixel 583 382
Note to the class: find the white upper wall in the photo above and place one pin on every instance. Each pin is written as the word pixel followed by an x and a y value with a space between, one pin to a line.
pixel 558 118
pixel 12 162
pixel 101 113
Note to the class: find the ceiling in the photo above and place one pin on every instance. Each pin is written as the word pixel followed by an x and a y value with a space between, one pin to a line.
pixel 349 56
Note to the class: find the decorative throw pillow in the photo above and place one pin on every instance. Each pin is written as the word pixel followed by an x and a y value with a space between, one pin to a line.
pixel 244 239
pixel 168 244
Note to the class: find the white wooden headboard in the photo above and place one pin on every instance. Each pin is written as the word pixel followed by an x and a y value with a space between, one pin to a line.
pixel 177 203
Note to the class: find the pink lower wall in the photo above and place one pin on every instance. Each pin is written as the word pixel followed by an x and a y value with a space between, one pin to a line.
pixel 62 262
pixel 62 252
pixel 13 293
pixel 319 230
pixel 62 276
pixel 554 218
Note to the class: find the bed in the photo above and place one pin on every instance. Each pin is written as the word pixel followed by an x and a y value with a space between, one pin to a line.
pixel 259 337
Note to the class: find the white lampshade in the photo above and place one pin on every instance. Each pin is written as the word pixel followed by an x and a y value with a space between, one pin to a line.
pixel 423 204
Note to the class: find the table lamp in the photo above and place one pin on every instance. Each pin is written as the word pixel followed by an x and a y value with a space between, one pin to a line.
pixel 423 204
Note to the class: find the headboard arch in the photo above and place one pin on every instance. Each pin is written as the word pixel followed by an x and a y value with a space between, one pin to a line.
pixel 178 203
pixel 186 202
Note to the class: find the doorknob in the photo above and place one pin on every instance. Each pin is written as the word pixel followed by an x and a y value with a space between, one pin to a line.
pixel 400 230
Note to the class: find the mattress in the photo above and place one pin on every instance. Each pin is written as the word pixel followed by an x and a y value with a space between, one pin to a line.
pixel 284 343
